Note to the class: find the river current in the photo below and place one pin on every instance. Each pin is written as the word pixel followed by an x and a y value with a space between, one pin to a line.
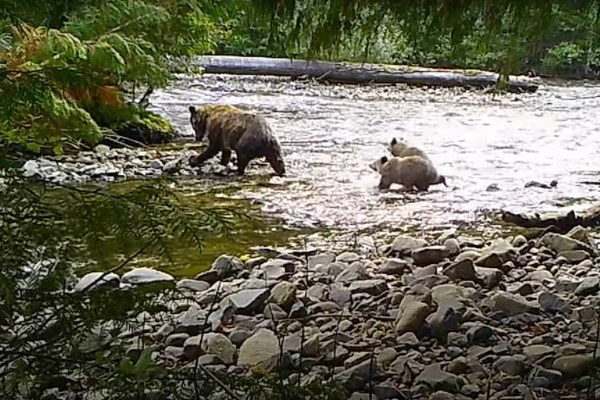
pixel 330 134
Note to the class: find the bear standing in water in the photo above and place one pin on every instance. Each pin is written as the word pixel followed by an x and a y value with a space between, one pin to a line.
pixel 399 148
pixel 230 129
pixel 412 171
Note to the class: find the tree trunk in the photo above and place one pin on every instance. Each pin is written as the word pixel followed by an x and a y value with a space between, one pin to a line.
pixel 354 73
pixel 559 224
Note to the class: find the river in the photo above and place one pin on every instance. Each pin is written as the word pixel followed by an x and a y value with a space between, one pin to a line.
pixel 331 133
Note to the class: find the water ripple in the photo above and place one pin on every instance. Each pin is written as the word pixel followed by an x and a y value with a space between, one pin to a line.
pixel 331 133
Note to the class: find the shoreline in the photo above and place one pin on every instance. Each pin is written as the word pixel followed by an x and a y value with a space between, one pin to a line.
pixel 447 309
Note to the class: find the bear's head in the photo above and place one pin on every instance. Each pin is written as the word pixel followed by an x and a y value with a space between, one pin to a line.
pixel 396 146
pixel 378 164
pixel 198 121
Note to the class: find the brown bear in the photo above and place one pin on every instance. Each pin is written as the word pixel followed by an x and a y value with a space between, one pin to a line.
pixel 230 128
pixel 412 171
pixel 399 148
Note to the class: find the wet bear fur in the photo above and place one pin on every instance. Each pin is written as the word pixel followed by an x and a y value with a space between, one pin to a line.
pixel 411 171
pixel 228 129
pixel 399 148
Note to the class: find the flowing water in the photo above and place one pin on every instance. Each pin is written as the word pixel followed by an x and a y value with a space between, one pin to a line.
pixel 331 133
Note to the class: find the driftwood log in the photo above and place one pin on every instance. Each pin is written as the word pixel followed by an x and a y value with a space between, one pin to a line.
pixel 558 224
pixel 355 73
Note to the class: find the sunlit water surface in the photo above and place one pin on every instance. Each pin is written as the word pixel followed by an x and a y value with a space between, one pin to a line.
pixel 331 133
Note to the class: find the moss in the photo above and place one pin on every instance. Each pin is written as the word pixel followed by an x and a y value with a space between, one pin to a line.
pixel 145 128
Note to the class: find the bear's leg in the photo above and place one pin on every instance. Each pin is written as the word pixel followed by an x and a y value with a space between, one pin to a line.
pixel 242 163
pixel 210 152
pixel 384 184
pixel 225 157
pixel 276 162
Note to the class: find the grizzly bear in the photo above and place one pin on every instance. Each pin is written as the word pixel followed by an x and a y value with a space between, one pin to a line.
pixel 399 148
pixel 411 171
pixel 230 128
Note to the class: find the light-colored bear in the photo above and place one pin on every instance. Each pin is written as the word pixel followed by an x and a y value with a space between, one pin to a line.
pixel 399 148
pixel 411 171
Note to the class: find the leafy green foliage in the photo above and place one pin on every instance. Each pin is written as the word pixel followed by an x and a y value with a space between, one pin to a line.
pixel 507 36
pixel 66 65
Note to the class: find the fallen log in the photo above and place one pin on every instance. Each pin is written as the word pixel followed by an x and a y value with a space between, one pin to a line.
pixel 355 73
pixel 559 224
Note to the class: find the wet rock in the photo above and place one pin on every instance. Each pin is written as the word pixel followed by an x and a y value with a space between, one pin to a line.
pixel 479 334
pixel 394 266
pixel 461 271
pixel 574 256
pixel 491 260
pixel 489 277
pixel 544 378
pixel 373 287
pixel 247 301
pixel 283 294
pixel 511 304
pixel 458 366
pixel 405 244
pixel 274 312
pixel 589 286
pixel 449 295
pixel 261 349
pixel 143 276
pixel 407 338
pixel 442 395
pixel 102 149
pixel 298 310
pixel 356 377
pixel 219 345
pixel 443 321
pixel 551 302
pixel 560 243
pixel 468 255
pixel 176 339
pixel 192 321
pixel 320 259
pixel 254 262
pixel 340 295
pixel 191 348
pixel 387 390
pixel 429 255
pixel 536 352
pixel 209 277
pixel 411 315
pixel 239 335
pixel 573 366
pixel 355 272
pixel 277 268
pixel 511 365
pixel 452 246
pixel 434 377
pixel 192 285
pixel 584 314
pixel 347 257
pixel 385 358
pixel 470 390
pixel 357 358
pixel 97 280
pixel 225 266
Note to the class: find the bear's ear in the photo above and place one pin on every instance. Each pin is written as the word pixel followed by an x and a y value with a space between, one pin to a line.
pixel 192 110
pixel 384 159
pixel 394 141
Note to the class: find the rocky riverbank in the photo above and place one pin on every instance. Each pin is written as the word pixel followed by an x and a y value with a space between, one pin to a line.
pixel 449 317
pixel 104 164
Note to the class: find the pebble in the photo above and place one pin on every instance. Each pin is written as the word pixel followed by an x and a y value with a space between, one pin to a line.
pixel 428 321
